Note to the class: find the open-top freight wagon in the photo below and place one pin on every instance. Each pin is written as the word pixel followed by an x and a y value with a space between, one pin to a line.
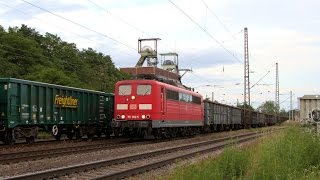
pixel 219 117
pixel 27 107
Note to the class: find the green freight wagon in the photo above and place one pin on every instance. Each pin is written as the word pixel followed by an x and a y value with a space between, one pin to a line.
pixel 27 107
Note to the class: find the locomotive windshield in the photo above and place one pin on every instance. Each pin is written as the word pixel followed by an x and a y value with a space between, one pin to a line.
pixel 125 90
pixel 144 90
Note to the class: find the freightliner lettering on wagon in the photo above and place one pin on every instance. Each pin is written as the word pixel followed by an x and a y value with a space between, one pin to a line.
pixel 66 101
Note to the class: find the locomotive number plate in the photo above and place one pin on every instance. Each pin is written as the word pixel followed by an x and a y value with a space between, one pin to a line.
pixel 133 106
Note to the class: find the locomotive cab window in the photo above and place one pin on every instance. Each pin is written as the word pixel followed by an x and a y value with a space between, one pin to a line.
pixel 125 90
pixel 144 89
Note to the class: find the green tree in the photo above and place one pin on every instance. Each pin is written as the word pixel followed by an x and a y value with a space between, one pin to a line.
pixel 30 33
pixel 283 112
pixel 268 107
pixel 26 54
pixel 19 53
pixel 247 106
pixel 101 70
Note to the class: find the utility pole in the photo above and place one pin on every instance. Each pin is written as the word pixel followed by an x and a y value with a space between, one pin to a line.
pixel 212 96
pixel 277 88
pixel 290 111
pixel 276 101
pixel 246 101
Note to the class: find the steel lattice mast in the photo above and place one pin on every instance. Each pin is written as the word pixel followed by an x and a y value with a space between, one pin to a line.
pixel 246 94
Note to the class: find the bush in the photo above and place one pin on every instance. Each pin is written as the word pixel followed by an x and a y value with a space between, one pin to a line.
pixel 232 164
pixel 289 154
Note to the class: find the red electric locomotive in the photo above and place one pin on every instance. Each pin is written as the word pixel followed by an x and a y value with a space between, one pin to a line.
pixel 145 107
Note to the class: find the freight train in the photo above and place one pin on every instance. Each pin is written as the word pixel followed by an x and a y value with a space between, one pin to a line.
pixel 150 107
pixel 138 108
pixel 27 107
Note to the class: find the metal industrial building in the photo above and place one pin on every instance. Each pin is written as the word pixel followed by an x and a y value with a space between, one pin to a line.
pixel 308 103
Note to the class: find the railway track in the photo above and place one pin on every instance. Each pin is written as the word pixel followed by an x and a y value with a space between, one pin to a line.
pixel 8 158
pixel 118 168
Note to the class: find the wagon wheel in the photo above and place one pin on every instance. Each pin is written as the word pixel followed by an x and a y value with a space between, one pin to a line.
pixel 30 139
pixel 77 134
pixel 56 132
pixel 107 133
pixel 9 137
pixel 98 133
pixel 90 136
pixel 70 134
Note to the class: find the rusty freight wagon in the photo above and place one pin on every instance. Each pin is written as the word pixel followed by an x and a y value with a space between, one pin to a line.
pixel 27 107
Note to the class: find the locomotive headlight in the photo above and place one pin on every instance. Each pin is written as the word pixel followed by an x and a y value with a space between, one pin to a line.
pixel 133 97
pixel 118 116
pixel 143 116
pixel 123 116
pixel 148 116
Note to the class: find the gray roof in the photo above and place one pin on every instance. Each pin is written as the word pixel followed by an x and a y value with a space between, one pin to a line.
pixel 317 96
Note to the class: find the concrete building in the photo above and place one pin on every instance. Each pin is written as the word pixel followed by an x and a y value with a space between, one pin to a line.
pixel 308 103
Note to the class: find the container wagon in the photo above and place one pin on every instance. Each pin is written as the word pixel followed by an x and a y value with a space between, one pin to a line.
pixel 27 107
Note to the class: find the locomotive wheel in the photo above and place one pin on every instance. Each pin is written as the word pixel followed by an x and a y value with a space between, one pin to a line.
pixel 173 133
pixel 9 137
pixel 116 133
pixel 156 134
pixel 56 132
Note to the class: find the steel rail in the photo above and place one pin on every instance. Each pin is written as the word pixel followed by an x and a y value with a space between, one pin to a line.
pixel 7 158
pixel 58 172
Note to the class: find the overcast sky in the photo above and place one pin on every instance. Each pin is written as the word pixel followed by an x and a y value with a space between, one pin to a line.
pixel 284 31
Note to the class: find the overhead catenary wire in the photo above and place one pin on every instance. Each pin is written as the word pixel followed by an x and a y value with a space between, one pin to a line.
pixel 204 30
pixel 193 57
pixel 80 25
pixel 285 100
pixel 219 20
pixel 59 27
pixel 126 22
pixel 260 80
pixel 121 19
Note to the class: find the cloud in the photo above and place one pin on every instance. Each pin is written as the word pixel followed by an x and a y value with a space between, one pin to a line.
pixel 286 32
